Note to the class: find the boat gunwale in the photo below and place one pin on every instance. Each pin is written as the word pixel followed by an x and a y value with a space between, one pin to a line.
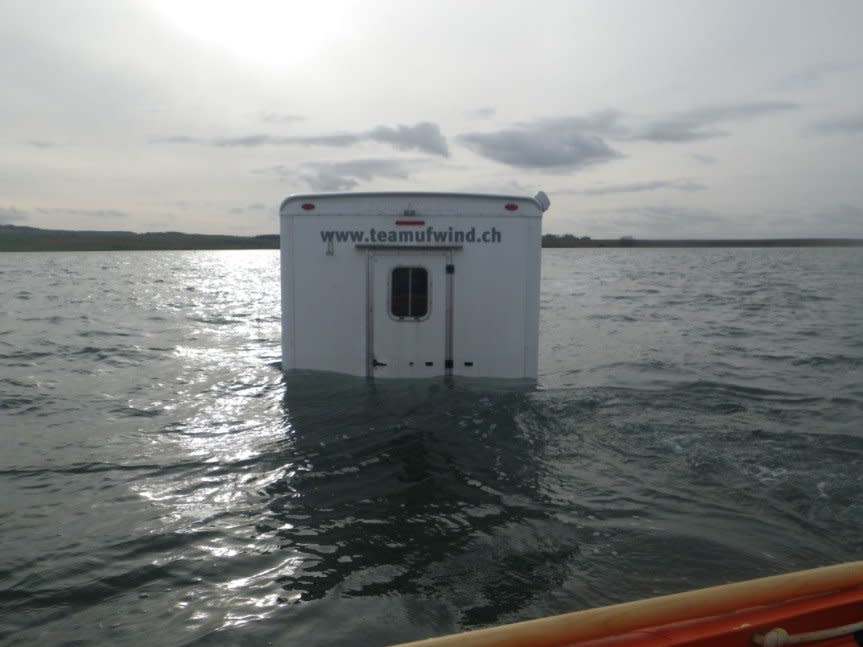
pixel 608 621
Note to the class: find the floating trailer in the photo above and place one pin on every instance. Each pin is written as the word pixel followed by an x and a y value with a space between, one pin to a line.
pixel 819 607
pixel 411 284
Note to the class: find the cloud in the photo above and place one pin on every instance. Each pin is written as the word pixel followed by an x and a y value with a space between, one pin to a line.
pixel 276 118
pixel 567 143
pixel 177 139
pixel 669 213
pixel 343 176
pixel 845 216
pixel 251 141
pixel 83 213
pixel 704 159
pixel 481 113
pixel 834 221
pixel 812 75
pixel 326 181
pixel 422 137
pixel 850 125
pixel 570 143
pixel 425 137
pixel 662 221
pixel 639 187
pixel 245 141
pixel 256 206
pixel 703 123
pixel 675 222
pixel 279 169
pixel 11 214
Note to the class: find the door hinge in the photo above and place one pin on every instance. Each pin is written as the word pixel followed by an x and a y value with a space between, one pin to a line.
pixel 447 363
pixel 450 269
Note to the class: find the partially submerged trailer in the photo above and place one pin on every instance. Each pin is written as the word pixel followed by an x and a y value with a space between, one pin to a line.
pixel 411 284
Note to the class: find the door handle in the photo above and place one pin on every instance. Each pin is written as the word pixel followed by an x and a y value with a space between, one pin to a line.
pixel 376 363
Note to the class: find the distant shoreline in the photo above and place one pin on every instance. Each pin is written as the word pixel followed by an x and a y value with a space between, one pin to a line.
pixel 31 239
pixel 564 243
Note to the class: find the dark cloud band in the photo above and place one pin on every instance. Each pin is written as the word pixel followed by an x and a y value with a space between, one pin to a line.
pixel 839 126
pixel 550 144
pixel 703 123
pixel 640 187
pixel 347 175
pixel 424 137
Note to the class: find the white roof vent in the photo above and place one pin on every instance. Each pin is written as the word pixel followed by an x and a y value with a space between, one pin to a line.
pixel 543 200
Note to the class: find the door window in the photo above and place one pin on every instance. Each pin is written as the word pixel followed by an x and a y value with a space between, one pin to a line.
pixel 409 292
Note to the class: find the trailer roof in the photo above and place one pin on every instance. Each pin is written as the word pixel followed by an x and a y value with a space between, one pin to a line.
pixel 347 195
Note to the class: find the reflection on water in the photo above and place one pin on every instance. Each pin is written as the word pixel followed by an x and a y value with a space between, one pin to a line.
pixel 340 486
pixel 403 487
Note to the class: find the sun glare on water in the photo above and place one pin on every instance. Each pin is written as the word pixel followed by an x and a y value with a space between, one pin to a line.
pixel 270 32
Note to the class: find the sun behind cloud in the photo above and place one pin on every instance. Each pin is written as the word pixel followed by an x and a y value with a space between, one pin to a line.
pixel 264 32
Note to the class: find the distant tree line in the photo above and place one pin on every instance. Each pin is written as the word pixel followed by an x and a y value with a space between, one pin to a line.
pixel 566 237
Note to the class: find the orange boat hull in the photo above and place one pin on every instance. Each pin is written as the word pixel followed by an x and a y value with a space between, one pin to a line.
pixel 726 616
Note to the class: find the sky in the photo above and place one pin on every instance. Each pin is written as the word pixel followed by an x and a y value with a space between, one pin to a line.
pixel 652 119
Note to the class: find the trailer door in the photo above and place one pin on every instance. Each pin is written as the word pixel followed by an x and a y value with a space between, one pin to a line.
pixel 409 316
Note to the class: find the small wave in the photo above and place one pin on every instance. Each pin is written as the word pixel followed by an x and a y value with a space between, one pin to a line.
pixel 614 317
pixel 104 333
pixel 135 412
pixel 96 468
pixel 773 357
pixel 216 321
pixel 158 543
pixel 829 361
pixel 12 403
pixel 25 355
pixel 701 387
pixel 24 595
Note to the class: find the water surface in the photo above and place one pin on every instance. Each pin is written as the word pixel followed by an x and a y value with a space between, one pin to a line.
pixel 697 420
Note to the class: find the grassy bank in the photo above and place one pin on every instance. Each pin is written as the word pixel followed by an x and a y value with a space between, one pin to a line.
pixel 31 239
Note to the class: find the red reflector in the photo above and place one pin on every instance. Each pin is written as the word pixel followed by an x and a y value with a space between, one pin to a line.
pixel 415 223
pixel 308 206
pixel 511 206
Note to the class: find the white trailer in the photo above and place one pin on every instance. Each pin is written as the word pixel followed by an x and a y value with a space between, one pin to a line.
pixel 411 284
